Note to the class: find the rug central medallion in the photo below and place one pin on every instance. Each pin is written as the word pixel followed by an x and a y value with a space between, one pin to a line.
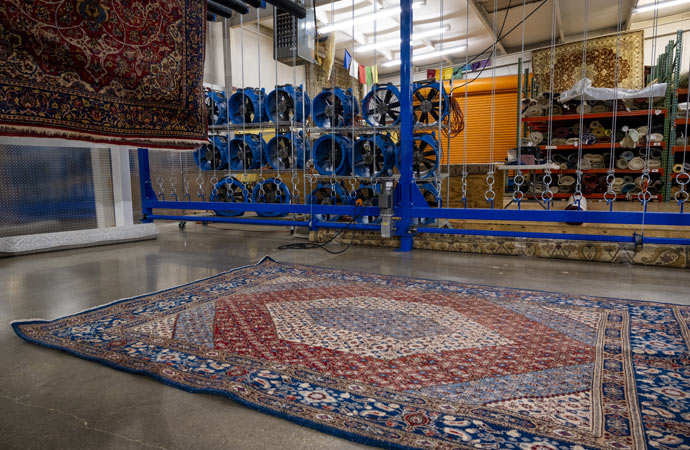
pixel 379 327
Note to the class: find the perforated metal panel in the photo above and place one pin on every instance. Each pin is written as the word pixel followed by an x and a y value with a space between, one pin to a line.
pixel 50 189
pixel 170 172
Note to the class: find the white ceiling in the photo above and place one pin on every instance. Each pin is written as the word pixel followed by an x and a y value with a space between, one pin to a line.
pixel 568 19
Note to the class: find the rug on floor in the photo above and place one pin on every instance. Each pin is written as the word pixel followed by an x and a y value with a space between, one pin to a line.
pixel 104 71
pixel 406 363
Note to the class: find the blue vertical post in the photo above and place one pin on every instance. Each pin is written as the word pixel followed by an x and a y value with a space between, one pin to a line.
pixel 145 184
pixel 406 134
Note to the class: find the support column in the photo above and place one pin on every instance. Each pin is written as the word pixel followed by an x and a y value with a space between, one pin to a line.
pixel 406 132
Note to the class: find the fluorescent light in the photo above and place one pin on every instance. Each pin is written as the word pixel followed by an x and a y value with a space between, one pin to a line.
pixel 391 42
pixel 427 55
pixel 652 6
pixel 366 18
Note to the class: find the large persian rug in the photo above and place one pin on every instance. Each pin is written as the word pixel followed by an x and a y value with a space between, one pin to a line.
pixel 406 363
pixel 110 71
pixel 601 54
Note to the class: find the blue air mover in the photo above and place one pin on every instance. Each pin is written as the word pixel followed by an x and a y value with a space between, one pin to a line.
pixel 286 151
pixel 331 154
pixel 427 107
pixel 381 106
pixel 374 156
pixel 367 195
pixel 245 151
pixel 216 107
pixel 229 190
pixel 328 194
pixel 335 108
pixel 214 155
pixel 287 104
pixel 426 155
pixel 247 106
pixel 271 191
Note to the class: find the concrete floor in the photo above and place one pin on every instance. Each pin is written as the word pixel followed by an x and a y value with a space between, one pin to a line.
pixel 50 400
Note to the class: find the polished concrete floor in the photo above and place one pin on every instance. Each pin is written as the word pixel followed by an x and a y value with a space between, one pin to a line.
pixel 50 400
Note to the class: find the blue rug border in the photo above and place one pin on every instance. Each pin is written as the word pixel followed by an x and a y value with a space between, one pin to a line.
pixel 292 418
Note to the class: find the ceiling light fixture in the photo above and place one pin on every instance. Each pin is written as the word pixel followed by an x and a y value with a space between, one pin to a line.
pixel 366 18
pixel 427 55
pixel 652 6
pixel 392 42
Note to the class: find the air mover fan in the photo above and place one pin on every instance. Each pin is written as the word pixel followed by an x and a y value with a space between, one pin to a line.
pixel 327 194
pixel 367 195
pixel 374 156
pixel 335 108
pixel 245 150
pixel 332 154
pixel 425 103
pixel 229 190
pixel 433 200
pixel 212 156
pixel 287 104
pixel 425 156
pixel 286 151
pixel 274 191
pixel 216 108
pixel 247 106
pixel 381 106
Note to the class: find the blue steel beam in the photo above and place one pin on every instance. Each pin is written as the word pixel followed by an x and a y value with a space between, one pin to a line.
pixel 406 175
pixel 621 217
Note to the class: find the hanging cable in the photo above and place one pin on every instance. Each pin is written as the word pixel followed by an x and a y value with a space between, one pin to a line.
pixel 490 195
pixel 519 178
pixel 610 194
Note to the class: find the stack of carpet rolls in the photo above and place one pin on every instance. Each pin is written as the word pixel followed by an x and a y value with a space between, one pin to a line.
pixel 546 105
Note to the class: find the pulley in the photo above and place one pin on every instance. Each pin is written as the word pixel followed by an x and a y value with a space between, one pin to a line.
pixel 286 151
pixel 271 190
pixel 331 154
pixel 212 156
pixel 229 190
pixel 335 108
pixel 381 106
pixel 374 156
pixel 245 151
pixel 216 107
pixel 247 106
pixel 426 155
pixel 328 194
pixel 288 103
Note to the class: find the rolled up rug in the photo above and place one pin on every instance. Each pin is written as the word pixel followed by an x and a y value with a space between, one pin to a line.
pixel 558 141
pixel 654 163
pixel 588 139
pixel 622 163
pixel 628 155
pixel 627 187
pixel 636 163
pixel 566 183
pixel 561 132
pixel 536 137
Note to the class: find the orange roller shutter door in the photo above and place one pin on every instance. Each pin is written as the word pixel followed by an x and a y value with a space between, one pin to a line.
pixel 478 120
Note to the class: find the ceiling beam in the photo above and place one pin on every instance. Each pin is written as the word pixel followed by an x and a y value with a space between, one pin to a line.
pixel 628 16
pixel 559 20
pixel 486 23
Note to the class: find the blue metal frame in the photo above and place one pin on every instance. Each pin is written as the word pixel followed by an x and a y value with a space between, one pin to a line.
pixel 407 198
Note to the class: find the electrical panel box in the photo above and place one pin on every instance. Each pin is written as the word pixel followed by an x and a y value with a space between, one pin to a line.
pixel 294 39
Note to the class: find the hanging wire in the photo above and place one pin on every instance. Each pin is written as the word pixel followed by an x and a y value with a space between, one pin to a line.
pixel 466 74
pixel 519 178
pixel 353 185
pixel 577 195
pixel 244 126
pixel 490 195
pixel 645 196
pixel 610 194
pixel 260 179
pixel 547 178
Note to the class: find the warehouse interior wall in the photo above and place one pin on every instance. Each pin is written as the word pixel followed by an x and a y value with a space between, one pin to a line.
pixel 255 63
